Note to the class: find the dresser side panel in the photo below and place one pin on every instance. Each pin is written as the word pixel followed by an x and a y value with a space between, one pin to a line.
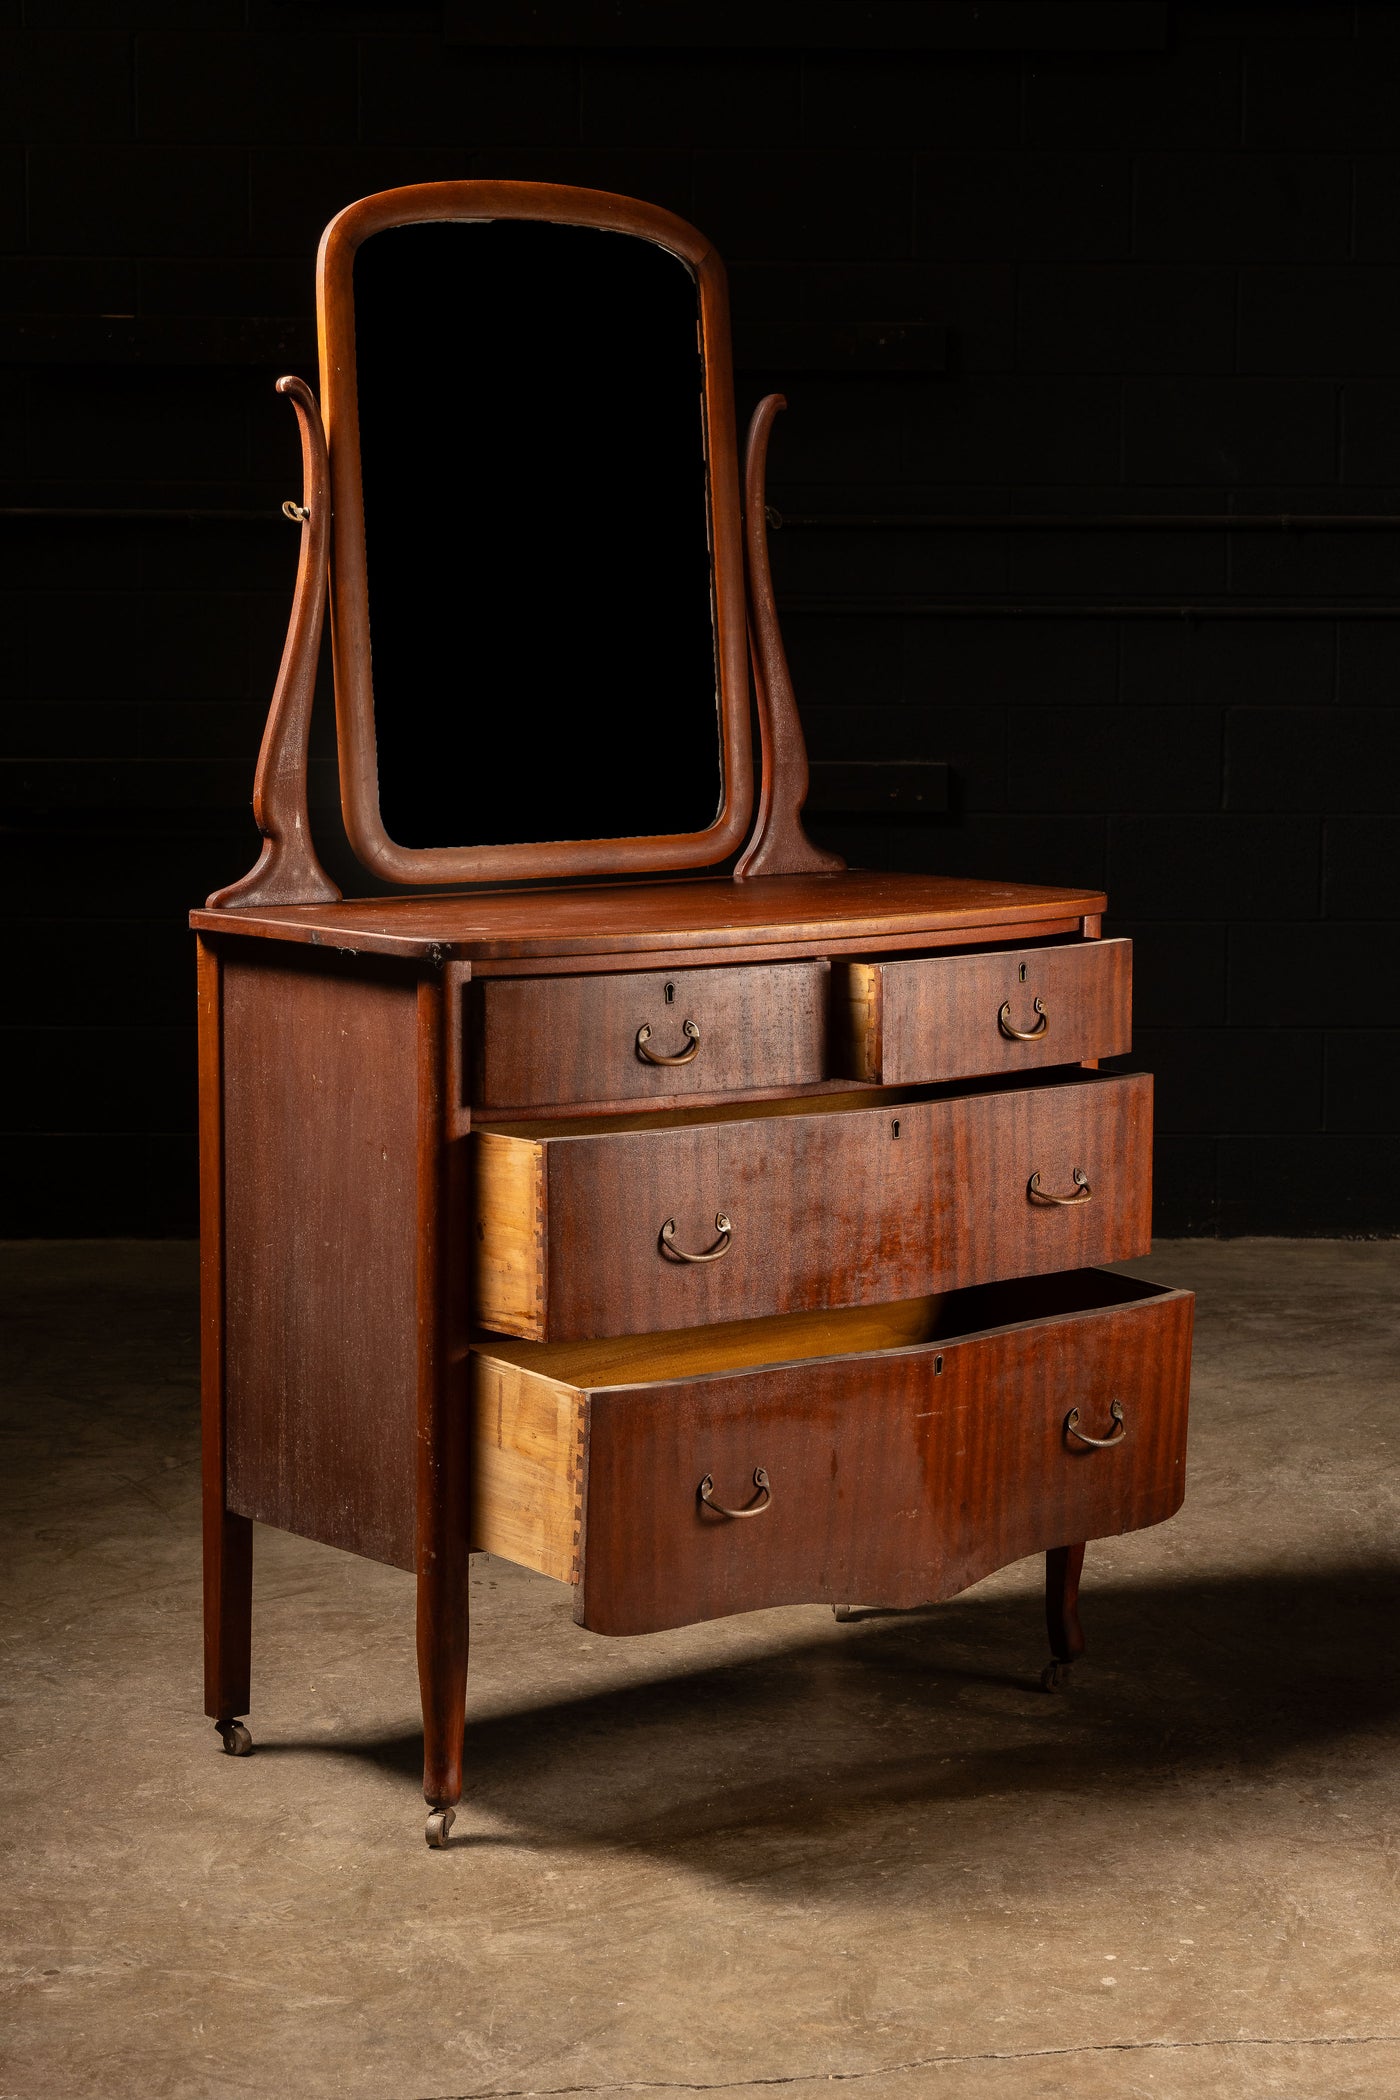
pixel 320 1121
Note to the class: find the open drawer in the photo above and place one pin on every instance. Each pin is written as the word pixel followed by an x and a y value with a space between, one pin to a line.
pixel 627 1225
pixel 905 1450
pixel 937 1017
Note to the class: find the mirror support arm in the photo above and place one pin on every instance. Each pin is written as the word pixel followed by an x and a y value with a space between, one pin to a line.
pixel 779 845
pixel 287 870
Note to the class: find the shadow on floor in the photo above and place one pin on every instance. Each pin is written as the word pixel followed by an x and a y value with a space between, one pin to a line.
pixel 1192 1685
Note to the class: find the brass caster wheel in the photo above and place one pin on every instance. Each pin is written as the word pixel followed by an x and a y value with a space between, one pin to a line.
pixel 237 1741
pixel 440 1821
pixel 1053 1676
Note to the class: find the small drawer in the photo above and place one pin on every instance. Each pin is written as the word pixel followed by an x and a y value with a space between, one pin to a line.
pixel 905 1450
pixel 939 1017
pixel 628 1225
pixel 653 1037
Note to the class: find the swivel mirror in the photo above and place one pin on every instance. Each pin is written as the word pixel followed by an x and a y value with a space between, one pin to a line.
pixel 538 589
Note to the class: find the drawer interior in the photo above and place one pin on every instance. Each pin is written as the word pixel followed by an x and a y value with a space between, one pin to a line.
pixel 736 1345
pixel 836 1103
pixel 684 1118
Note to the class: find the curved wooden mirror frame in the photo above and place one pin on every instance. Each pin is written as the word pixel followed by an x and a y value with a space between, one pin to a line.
pixel 350 634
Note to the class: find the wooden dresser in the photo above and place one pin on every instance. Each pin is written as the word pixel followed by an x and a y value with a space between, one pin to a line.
pixel 703 1243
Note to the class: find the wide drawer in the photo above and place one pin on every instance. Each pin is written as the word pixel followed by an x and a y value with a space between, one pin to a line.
pixel 651 1036
pixel 940 1017
pixel 907 1450
pixel 590 1231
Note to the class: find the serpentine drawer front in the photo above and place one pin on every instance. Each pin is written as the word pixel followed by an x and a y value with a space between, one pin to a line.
pixel 649 1036
pixel 885 1456
pixel 627 1227
pixel 937 1017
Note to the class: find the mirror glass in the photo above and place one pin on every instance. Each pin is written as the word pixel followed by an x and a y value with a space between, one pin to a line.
pixel 537 534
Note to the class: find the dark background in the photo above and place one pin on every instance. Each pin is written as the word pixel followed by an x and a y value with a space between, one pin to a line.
pixel 1055 280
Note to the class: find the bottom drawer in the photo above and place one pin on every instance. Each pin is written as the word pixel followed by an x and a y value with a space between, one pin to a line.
pixel 906 1450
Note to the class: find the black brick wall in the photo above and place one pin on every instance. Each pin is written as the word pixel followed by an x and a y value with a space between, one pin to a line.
pixel 1168 281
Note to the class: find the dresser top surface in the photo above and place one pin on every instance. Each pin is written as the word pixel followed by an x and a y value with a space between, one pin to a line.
pixel 796 913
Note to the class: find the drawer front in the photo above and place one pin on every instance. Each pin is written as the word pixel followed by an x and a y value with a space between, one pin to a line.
pixel 569 1042
pixel 938 1017
pixel 894 1479
pixel 832 1209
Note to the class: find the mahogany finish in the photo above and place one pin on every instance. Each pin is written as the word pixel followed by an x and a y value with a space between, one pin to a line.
pixel 228 1537
pixel 571 1042
pixel 1063 1567
pixel 950 1017
pixel 287 870
pixel 838 1207
pixel 899 1478
pixel 321 1226
pixel 779 845
pixel 740 1240
pixel 441 1529
pixel 578 929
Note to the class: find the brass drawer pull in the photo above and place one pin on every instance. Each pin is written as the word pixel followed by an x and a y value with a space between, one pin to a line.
pixel 754 1509
pixel 654 1057
pixel 1082 1191
pixel 1023 1035
pixel 721 1245
pixel 1098 1443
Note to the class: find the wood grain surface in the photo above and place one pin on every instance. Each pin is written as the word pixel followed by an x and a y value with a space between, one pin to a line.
pixel 528 1399
pixel 838 1208
pixel 895 1479
pixel 936 1017
pixel 228 1537
pixel 541 1042
pixel 321 1219
pixel 793 913
pixel 526 1466
pixel 442 1516
pixel 508 1245
pixel 779 844
pixel 1063 1567
pixel 287 870
pixel 730 1345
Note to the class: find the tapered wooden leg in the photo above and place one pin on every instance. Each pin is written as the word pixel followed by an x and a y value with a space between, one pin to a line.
pixel 1063 1566
pixel 228 1614
pixel 228 1539
pixel 443 1633
pixel 443 1544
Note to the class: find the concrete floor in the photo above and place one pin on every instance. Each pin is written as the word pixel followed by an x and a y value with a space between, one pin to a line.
pixel 771 1852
